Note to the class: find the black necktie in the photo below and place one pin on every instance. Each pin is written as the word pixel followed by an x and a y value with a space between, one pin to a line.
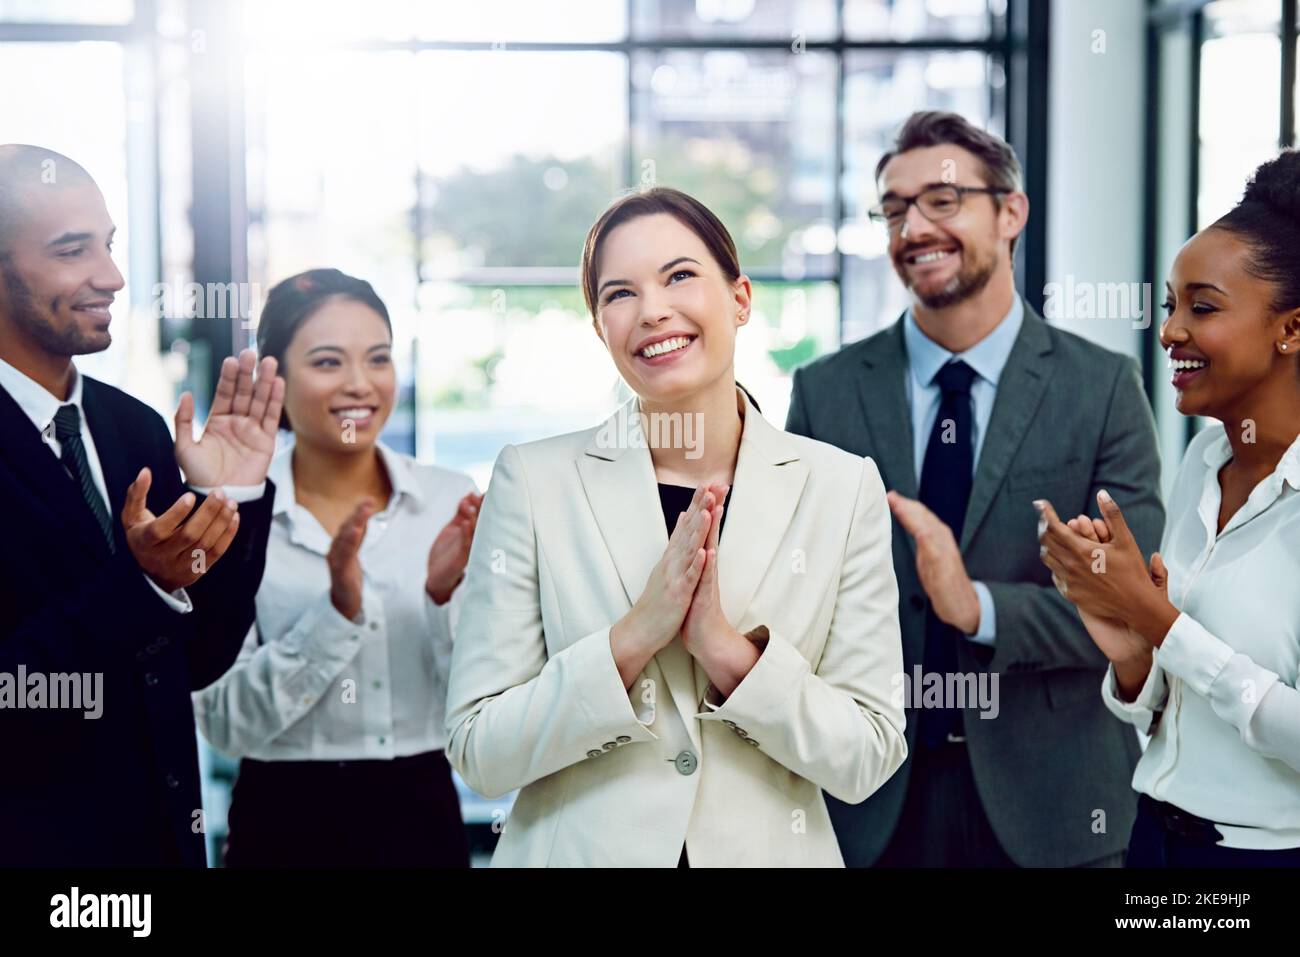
pixel 946 478
pixel 67 429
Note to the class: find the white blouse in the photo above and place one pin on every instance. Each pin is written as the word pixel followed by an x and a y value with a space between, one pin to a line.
pixel 1221 701
pixel 311 685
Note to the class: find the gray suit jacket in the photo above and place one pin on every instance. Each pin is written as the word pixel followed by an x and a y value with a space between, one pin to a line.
pixel 1053 769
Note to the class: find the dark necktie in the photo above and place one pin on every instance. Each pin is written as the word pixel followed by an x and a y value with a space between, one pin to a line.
pixel 946 478
pixel 67 429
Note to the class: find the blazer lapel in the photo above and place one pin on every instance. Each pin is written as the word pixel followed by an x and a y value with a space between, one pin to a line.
pixel 112 457
pixel 882 390
pixel 769 481
pixel 35 464
pixel 1020 391
pixel 619 481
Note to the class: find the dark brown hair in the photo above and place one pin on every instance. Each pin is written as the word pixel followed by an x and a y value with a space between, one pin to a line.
pixel 295 300
pixel 687 210
pixel 936 128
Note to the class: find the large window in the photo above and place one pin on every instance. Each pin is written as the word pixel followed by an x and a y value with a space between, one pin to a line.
pixel 1221 95
pixel 455 154
pixel 458 160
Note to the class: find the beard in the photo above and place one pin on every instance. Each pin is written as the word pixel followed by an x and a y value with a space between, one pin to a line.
pixel 37 325
pixel 973 276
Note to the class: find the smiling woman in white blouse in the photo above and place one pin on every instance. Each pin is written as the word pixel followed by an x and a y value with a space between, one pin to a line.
pixel 1204 642
pixel 336 702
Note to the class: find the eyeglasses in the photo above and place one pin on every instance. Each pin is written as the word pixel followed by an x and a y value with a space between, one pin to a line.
pixel 936 204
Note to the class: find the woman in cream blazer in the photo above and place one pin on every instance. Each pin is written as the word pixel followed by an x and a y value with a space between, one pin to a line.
pixel 676 699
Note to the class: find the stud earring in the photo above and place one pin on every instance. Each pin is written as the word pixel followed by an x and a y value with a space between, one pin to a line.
pixel 1284 347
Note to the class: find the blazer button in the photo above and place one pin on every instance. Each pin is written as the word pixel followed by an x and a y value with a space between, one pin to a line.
pixel 742 732
pixel 623 739
pixel 172 782
pixel 751 741
pixel 593 753
pixel 151 679
pixel 609 745
pixel 729 723
pixel 686 763
pixel 918 602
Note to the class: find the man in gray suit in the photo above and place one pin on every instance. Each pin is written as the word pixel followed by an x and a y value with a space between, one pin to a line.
pixel 973 407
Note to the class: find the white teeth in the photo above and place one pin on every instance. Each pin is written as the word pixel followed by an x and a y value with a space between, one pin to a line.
pixel 668 345
pixel 931 257
pixel 353 413
pixel 1184 364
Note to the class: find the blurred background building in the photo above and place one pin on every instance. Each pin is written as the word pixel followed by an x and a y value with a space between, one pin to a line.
pixel 454 153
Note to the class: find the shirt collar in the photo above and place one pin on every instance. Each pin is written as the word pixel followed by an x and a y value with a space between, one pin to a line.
pixel 988 357
pixel 1219 450
pixel 1289 466
pixel 401 472
pixel 37 403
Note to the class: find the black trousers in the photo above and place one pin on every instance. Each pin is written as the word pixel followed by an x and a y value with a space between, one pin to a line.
pixel 1166 836
pixel 397 813
pixel 943 823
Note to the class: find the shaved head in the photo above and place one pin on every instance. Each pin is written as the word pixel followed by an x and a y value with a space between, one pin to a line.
pixel 26 171
pixel 57 275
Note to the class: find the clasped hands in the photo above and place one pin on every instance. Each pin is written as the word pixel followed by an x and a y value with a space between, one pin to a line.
pixel 177 548
pixel 682 598
pixel 1096 563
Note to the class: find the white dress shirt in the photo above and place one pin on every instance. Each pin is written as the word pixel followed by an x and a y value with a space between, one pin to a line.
pixel 1221 700
pixel 40 406
pixel 309 684
pixel 988 358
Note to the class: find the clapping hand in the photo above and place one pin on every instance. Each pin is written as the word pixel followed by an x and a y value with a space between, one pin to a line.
pixel 238 440
pixel 176 548
pixel 450 551
pixel 1106 577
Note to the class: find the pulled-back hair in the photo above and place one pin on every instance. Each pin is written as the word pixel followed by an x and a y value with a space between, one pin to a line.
pixel 295 300
pixel 1268 220
pixel 687 210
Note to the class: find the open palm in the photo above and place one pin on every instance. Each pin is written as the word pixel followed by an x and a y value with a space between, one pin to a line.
pixel 450 551
pixel 238 439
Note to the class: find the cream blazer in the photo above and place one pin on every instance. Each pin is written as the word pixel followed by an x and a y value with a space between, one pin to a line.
pixel 568 534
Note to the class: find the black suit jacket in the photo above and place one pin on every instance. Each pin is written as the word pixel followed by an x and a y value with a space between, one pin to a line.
pixel 1053 769
pixel 122 789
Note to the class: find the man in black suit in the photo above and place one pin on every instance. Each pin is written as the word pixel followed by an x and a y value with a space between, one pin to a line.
pixel 120 590
pixel 973 407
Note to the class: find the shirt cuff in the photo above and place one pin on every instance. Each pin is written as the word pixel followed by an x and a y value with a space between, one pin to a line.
pixel 324 634
pixel 1141 711
pixel 240 493
pixel 441 621
pixel 1193 654
pixel 178 600
pixel 988 627
pixel 1232 683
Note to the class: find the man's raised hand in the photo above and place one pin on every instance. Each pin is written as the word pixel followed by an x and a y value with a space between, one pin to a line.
pixel 238 440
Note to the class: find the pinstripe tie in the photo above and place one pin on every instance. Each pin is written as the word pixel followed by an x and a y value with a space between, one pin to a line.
pixel 67 429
